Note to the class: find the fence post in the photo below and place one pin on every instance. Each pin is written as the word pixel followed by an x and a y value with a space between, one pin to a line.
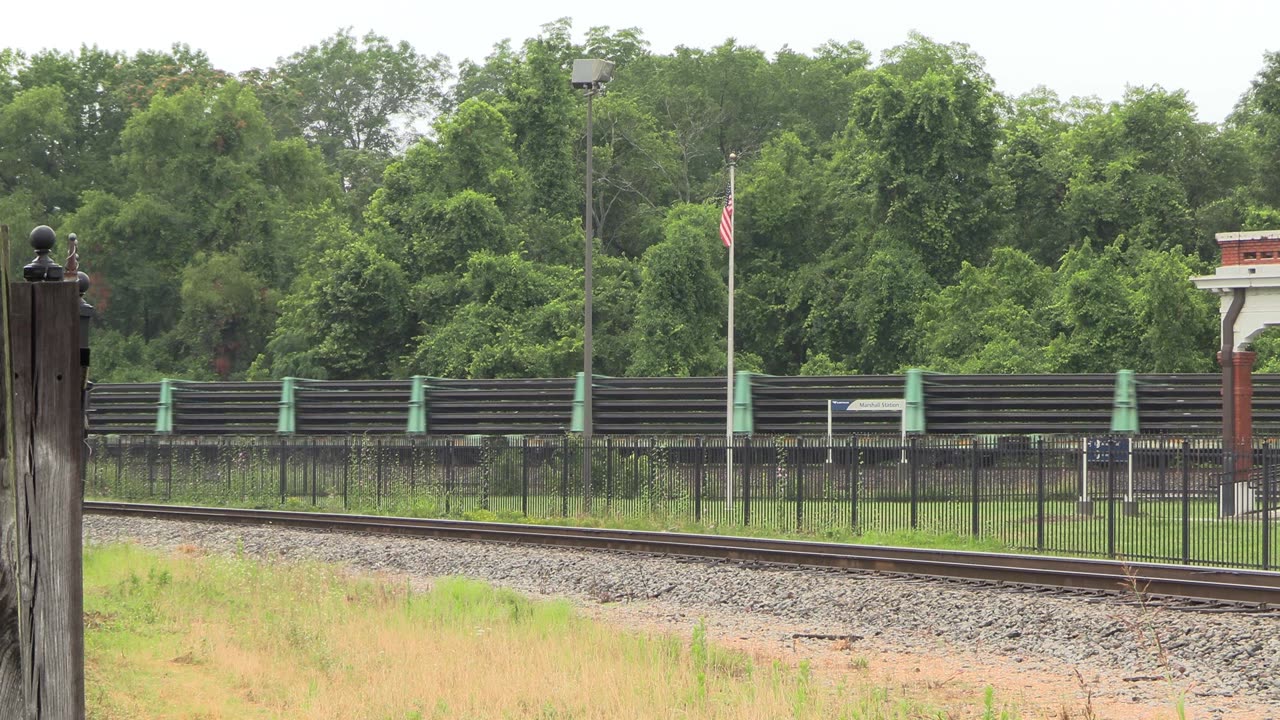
pixel 314 480
pixel 852 472
pixel 1163 466
pixel 448 475
pixel 41 598
pixel 1186 502
pixel 799 483
pixel 413 467
pixel 147 442
pixel 524 476
pixel 120 451
pixel 1111 499
pixel 912 461
pixel 697 482
pixel 974 476
pixel 608 474
pixel 168 471
pixel 746 481
pixel 1266 505
pixel 564 478
pixel 1040 519
pixel 377 477
pixel 284 468
pixel 225 451
pixel 346 471
pixel 588 441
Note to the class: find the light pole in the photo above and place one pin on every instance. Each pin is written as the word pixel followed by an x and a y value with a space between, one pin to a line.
pixel 590 76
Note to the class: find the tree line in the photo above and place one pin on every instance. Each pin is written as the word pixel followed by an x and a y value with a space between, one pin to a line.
pixel 362 209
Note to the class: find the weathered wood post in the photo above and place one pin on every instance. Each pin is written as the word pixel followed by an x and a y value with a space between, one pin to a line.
pixel 41 601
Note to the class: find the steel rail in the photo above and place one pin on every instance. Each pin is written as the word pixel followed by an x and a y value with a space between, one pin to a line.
pixel 1256 588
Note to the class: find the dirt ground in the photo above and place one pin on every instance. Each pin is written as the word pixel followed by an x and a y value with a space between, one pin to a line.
pixel 947 677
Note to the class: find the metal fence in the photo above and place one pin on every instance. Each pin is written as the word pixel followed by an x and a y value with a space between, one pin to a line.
pixel 1145 498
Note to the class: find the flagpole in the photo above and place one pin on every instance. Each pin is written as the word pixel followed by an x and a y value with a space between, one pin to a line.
pixel 728 427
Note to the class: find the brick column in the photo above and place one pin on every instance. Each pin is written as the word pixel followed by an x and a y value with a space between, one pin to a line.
pixel 1242 416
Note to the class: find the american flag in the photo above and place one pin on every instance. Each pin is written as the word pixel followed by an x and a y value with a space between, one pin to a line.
pixel 726 220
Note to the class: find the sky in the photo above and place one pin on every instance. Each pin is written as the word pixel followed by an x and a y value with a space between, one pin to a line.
pixel 1212 50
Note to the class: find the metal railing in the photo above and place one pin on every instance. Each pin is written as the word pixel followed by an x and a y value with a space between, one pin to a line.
pixel 1147 498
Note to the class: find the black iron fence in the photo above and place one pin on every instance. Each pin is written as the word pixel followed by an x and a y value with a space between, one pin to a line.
pixel 1144 498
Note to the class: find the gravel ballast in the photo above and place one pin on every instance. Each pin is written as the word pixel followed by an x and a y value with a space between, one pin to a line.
pixel 1224 654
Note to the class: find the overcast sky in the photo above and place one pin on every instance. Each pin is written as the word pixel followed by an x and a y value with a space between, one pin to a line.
pixel 1087 47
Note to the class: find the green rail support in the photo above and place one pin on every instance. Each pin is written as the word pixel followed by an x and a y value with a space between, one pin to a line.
pixel 164 408
pixel 579 403
pixel 287 423
pixel 418 406
pixel 744 420
pixel 1124 408
pixel 913 394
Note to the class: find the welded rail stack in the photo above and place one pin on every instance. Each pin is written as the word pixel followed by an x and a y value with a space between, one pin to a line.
pixel 1178 404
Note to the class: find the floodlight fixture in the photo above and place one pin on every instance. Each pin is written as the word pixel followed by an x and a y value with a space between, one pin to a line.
pixel 589 74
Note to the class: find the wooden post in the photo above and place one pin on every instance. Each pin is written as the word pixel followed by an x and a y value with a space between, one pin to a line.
pixel 40 560
pixel 10 658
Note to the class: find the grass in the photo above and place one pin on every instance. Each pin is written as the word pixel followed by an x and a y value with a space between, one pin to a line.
pixel 210 637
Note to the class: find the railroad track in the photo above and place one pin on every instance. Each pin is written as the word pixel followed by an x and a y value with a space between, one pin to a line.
pixel 1191 587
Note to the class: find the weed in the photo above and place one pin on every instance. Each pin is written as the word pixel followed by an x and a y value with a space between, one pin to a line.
pixel 801 699
pixel 698 654
pixel 1147 629
pixel 1089 714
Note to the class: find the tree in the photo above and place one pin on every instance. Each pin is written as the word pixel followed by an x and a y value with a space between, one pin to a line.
pixel 1093 309
pixel 1259 112
pixel 450 198
pixel 1142 169
pixel 543 112
pixel 34 135
pixel 517 319
pixel 349 321
pixel 678 328
pixel 637 171
pixel 778 190
pixel 819 365
pixel 1032 176
pixel 359 100
pixel 864 313
pixel 200 173
pixel 919 151
pixel 1178 322
pixel 227 313
pixel 816 91
pixel 992 320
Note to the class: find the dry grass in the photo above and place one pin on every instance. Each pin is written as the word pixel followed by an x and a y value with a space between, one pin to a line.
pixel 207 637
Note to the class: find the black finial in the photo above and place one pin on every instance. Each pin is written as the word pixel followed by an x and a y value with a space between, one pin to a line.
pixel 42 267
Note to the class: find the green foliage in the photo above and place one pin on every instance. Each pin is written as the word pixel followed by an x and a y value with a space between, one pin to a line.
pixel 992 320
pixel 919 149
pixel 345 320
pixel 356 99
pixel 227 313
pixel 819 365
pixel 343 214
pixel 35 129
pixel 516 319
pixel 678 329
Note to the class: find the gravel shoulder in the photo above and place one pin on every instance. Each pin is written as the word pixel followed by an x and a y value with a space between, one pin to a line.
pixel 1046 655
